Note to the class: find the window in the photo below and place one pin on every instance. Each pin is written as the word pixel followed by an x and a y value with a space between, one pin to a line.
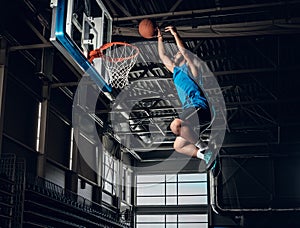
pixel 172 190
pixel 178 189
pixel 71 149
pixel 38 127
pixel 126 185
pixel 110 173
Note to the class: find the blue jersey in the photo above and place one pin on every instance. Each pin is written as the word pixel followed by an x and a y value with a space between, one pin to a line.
pixel 189 92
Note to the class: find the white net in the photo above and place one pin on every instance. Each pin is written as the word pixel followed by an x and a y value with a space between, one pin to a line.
pixel 118 59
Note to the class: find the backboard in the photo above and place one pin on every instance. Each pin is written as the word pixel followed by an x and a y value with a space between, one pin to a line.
pixel 79 26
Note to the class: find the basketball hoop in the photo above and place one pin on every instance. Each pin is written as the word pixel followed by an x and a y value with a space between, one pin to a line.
pixel 118 59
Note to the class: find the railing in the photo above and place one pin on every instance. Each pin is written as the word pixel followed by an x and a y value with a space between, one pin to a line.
pixel 56 192
pixel 37 202
pixel 7 180
pixel 12 179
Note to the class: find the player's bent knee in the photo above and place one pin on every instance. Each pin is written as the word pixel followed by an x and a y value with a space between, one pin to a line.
pixel 179 143
pixel 176 126
pixel 177 146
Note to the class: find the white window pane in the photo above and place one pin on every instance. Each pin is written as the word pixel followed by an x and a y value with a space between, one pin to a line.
pixel 193 225
pixel 192 218
pixel 114 190
pixel 192 177
pixel 192 188
pixel 128 180
pixel 192 200
pixel 150 225
pixel 108 160
pixel 171 178
pixel 171 218
pixel 150 201
pixel 108 174
pixel 108 177
pixel 171 225
pixel 116 164
pixel 150 178
pixel 171 189
pixel 116 176
pixel 150 189
pixel 128 199
pixel 107 198
pixel 108 187
pixel 150 218
pixel 171 200
pixel 203 188
pixel 128 175
pixel 128 194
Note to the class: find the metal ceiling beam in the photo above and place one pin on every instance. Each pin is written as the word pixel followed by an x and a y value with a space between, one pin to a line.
pixel 31 46
pixel 64 84
pixel 243 103
pixel 37 33
pixel 164 108
pixel 231 72
pixel 43 21
pixel 225 145
pixel 263 27
pixel 140 132
pixel 204 11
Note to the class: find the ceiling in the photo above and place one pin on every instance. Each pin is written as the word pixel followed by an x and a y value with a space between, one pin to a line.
pixel 251 47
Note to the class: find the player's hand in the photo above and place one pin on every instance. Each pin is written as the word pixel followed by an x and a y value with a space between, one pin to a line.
pixel 171 29
pixel 158 32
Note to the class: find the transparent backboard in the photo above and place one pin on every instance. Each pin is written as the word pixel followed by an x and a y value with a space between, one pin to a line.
pixel 78 27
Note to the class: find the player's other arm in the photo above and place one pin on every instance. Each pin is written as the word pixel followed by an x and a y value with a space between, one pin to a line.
pixel 186 54
pixel 162 53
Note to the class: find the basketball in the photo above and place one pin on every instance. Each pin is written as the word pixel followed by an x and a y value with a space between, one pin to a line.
pixel 147 28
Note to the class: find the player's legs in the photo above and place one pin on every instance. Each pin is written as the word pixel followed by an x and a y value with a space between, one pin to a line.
pixel 186 139
pixel 185 126
pixel 184 129
pixel 184 146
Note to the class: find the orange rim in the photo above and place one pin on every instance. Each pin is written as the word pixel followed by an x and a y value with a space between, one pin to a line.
pixel 98 53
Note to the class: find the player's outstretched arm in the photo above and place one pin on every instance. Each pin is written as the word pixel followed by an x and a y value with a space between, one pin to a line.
pixel 162 52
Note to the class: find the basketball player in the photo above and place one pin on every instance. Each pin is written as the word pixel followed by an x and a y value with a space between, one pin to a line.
pixel 194 103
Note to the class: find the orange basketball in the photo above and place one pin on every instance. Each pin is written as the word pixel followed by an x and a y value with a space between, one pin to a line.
pixel 147 28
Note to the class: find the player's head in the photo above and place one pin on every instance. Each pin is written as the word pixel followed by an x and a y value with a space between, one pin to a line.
pixel 178 58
